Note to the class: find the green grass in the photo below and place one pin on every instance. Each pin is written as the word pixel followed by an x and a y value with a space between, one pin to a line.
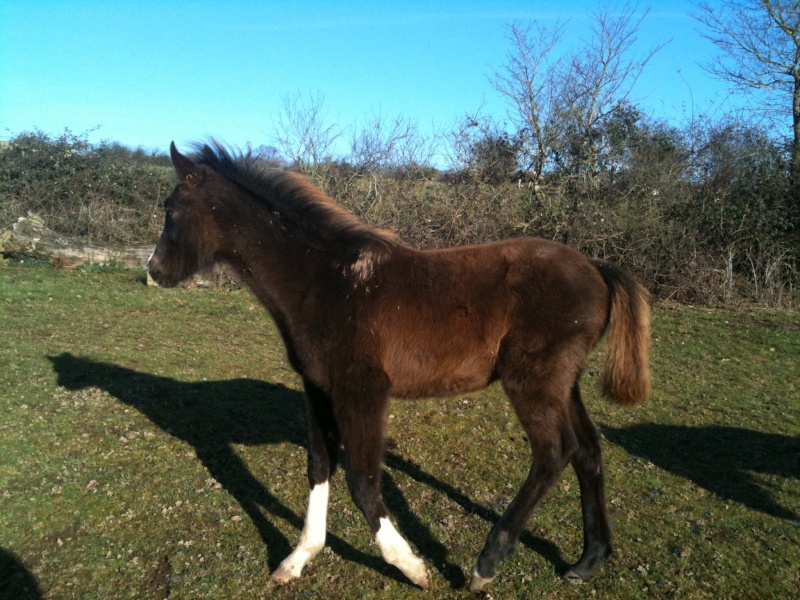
pixel 152 445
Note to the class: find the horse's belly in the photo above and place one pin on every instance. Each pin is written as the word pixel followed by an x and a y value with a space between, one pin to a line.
pixel 425 373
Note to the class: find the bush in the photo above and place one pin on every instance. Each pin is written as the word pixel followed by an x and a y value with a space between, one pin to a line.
pixel 105 193
pixel 702 215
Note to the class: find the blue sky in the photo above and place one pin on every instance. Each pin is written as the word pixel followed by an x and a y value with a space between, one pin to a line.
pixel 145 73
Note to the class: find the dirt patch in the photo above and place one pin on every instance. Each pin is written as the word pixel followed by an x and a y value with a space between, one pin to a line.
pixel 159 578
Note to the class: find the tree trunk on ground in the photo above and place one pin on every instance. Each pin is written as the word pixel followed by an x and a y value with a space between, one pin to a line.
pixel 30 235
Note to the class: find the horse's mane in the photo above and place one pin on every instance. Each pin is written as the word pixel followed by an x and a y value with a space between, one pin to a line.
pixel 291 195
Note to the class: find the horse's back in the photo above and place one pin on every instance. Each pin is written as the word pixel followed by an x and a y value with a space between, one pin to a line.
pixel 541 279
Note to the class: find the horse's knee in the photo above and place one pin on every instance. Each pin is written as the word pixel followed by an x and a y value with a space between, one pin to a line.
pixel 321 465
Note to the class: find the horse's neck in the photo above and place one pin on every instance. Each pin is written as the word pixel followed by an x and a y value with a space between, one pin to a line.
pixel 279 263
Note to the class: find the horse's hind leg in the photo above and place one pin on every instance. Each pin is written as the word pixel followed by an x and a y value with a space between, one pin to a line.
pixel 588 464
pixel 542 412
pixel 323 448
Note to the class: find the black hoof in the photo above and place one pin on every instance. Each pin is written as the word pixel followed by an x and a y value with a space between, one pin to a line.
pixel 574 577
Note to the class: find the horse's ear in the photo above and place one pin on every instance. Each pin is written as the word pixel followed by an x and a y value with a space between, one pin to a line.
pixel 184 166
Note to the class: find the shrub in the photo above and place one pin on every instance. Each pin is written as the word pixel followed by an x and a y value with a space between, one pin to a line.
pixel 104 193
pixel 702 215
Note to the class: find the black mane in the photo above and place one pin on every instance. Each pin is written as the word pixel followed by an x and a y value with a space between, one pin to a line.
pixel 291 195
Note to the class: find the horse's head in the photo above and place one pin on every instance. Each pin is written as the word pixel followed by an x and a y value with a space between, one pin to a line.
pixel 190 237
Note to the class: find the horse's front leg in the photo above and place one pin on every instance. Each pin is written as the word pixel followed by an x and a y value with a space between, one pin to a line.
pixel 323 449
pixel 362 421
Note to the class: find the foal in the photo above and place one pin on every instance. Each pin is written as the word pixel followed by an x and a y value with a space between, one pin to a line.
pixel 365 318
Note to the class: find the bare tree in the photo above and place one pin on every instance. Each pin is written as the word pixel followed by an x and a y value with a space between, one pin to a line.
pixel 382 144
pixel 600 79
pixel 529 81
pixel 303 132
pixel 269 154
pixel 760 55
pixel 560 103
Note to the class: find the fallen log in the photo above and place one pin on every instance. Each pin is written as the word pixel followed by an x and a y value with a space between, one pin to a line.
pixel 30 235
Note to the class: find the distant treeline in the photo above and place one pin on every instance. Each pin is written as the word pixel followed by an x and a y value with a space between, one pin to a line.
pixel 703 216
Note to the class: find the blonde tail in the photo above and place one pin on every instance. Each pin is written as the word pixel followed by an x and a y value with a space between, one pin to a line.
pixel 626 375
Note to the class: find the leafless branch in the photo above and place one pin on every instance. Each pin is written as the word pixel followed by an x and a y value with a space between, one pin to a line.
pixel 303 132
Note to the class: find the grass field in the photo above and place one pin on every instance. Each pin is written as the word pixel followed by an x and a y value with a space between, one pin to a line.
pixel 152 445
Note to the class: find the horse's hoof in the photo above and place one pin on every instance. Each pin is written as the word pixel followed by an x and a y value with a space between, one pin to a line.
pixel 574 578
pixel 421 578
pixel 424 582
pixel 478 583
pixel 282 575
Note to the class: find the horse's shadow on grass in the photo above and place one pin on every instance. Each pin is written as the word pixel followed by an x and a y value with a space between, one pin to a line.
pixel 212 416
pixel 718 458
pixel 16 582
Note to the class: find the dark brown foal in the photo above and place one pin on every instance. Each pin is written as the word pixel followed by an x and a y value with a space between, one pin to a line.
pixel 365 318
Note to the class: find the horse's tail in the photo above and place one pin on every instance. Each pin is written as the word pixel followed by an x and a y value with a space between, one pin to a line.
pixel 626 375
